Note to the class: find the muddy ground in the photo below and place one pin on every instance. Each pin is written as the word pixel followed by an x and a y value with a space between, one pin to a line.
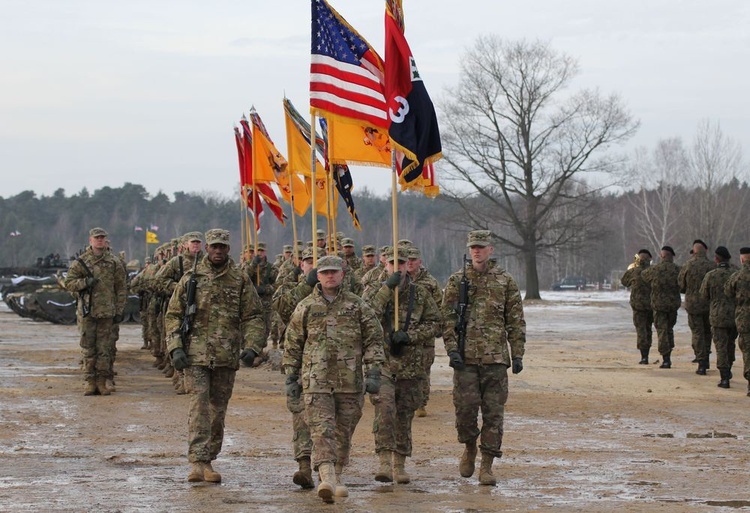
pixel 586 429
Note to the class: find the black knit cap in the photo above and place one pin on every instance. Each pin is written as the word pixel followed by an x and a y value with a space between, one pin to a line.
pixel 668 248
pixel 645 251
pixel 745 251
pixel 723 253
pixel 698 241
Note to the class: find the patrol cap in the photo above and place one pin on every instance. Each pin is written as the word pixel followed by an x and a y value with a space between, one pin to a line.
pixel 368 250
pixel 669 249
pixel 218 236
pixel 404 242
pixel 640 251
pixel 698 241
pixel 347 242
pixel 287 248
pixel 193 237
pixel 148 260
pixel 478 238
pixel 321 234
pixel 98 232
pixel 745 251
pixel 723 252
pixel 414 253
pixel 310 244
pixel 261 246
pixel 384 249
pixel 330 263
pixel 307 254
pixel 402 253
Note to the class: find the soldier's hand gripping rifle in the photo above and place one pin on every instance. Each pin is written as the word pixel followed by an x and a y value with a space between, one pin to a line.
pixel 89 290
pixel 461 309
pixel 190 306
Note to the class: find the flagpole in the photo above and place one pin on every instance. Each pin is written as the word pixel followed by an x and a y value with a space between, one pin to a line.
pixel 256 218
pixel 394 213
pixel 243 226
pixel 331 212
pixel 295 259
pixel 314 209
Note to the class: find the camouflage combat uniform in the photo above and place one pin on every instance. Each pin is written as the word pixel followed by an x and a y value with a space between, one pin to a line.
pixel 107 301
pixel 263 275
pixel 495 321
pixel 690 279
pixel 640 303
pixel 721 314
pixel 402 375
pixel 326 344
pixel 738 288
pixel 665 301
pixel 228 319
pixel 428 281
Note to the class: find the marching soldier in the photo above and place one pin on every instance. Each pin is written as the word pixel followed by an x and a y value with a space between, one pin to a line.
pixel 690 280
pixel 665 301
pixel 640 302
pixel 738 289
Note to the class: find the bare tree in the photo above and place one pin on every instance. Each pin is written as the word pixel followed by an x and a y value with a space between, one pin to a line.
pixel 517 148
pixel 715 161
pixel 660 178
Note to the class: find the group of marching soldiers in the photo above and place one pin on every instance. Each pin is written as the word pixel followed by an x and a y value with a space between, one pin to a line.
pixel 717 301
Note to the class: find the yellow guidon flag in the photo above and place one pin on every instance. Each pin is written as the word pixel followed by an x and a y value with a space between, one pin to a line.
pixel 151 238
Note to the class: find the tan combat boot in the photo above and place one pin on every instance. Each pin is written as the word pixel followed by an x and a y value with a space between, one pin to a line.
pixel 327 484
pixel 196 473
pixel 468 458
pixel 340 489
pixel 90 388
pixel 485 471
pixel 421 412
pixel 210 475
pixel 385 472
pixel 303 476
pixel 169 371
pixel 101 385
pixel 399 472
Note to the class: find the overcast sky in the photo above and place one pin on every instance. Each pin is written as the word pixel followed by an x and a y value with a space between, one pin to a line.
pixel 95 93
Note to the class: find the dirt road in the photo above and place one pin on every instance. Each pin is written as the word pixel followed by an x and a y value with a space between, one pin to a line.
pixel 586 429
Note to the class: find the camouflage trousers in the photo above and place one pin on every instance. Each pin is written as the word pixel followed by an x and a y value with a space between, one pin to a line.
pixel 332 419
pixel 428 358
pixel 210 390
pixel 96 346
pixel 482 387
pixel 700 328
pixel 267 315
pixel 642 320
pixel 394 411
pixel 724 340
pixel 664 322
pixel 301 440
pixel 277 329
pixel 113 357
pixel 744 343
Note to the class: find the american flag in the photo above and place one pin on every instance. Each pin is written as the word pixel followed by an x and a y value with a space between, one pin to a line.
pixel 346 74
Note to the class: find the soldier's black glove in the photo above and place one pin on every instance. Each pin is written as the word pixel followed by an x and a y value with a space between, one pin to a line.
pixel 118 318
pixel 393 280
pixel 456 361
pixel 91 281
pixel 297 271
pixel 248 357
pixel 398 340
pixel 517 365
pixel 372 381
pixel 261 289
pixel 257 259
pixel 312 277
pixel 179 359
pixel 293 388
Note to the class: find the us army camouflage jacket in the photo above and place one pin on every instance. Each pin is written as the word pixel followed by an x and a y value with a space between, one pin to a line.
pixel 228 317
pixel 373 276
pixel 288 296
pixel 690 280
pixel 267 277
pixel 712 291
pixel 169 274
pixel 738 287
pixel 110 293
pixel 495 317
pixel 424 325
pixel 665 291
pixel 328 342
pixel 640 291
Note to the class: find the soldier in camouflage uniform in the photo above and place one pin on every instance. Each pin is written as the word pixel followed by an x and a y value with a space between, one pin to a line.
pixel 690 280
pixel 402 376
pixel 640 302
pixel 737 288
pixel 494 321
pixel 227 326
pixel 263 275
pixel 665 301
pixel 352 260
pixel 368 262
pixel 376 274
pixel 422 276
pixel 721 315
pixel 99 280
pixel 331 334
pixel 137 287
pixel 167 279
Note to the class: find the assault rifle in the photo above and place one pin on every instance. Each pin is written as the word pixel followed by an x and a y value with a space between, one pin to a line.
pixel 461 309
pixel 190 306
pixel 86 308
